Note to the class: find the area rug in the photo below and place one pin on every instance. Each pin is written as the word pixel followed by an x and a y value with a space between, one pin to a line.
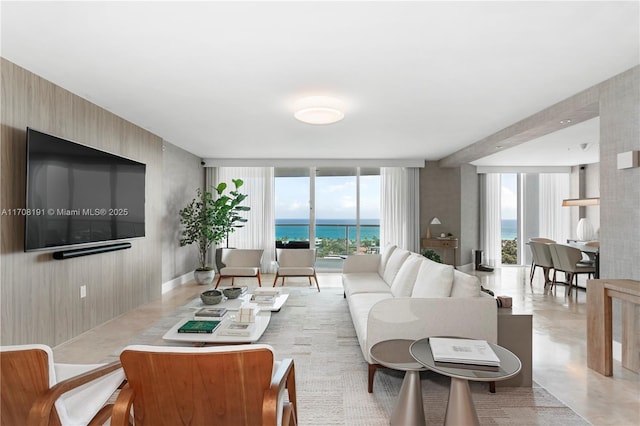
pixel 315 329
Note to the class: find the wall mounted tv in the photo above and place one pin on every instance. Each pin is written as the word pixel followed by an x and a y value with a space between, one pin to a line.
pixel 77 195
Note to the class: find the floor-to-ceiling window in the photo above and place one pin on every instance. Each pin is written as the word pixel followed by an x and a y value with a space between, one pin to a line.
pixel 338 209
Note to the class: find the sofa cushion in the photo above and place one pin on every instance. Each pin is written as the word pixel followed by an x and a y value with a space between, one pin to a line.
pixel 405 279
pixel 384 257
pixel 364 282
pixel 465 285
pixel 434 280
pixel 359 307
pixel 394 264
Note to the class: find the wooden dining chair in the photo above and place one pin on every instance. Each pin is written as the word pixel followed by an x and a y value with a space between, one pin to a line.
pixel 220 385
pixel 36 391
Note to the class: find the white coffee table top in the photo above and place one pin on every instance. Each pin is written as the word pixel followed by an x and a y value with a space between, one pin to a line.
pixel 262 322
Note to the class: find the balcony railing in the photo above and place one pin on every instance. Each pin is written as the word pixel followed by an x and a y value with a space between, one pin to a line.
pixel 333 239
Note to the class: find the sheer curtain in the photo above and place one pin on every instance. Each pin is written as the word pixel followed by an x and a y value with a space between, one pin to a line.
pixel 490 218
pixel 554 219
pixel 259 231
pixel 399 207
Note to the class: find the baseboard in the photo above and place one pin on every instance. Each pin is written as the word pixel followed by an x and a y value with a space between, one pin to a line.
pixel 177 282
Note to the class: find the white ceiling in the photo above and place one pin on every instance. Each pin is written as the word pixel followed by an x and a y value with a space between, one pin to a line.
pixel 419 79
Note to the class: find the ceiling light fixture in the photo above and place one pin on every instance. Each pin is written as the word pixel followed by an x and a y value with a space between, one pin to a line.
pixel 565 121
pixel 319 110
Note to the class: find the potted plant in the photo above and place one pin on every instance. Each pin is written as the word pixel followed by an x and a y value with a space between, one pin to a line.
pixel 209 219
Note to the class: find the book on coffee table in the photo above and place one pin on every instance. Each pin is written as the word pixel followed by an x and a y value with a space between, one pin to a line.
pixel 236 329
pixel 469 352
pixel 197 326
pixel 211 312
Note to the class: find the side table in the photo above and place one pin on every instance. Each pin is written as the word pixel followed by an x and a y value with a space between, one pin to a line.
pixel 460 408
pixel 395 354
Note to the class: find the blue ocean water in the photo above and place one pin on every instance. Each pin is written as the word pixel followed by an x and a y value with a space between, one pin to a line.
pixel 509 229
pixel 334 229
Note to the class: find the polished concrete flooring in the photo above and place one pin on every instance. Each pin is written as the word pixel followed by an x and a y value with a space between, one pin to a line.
pixel 559 342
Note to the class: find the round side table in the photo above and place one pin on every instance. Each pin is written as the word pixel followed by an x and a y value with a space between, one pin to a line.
pixel 395 354
pixel 460 408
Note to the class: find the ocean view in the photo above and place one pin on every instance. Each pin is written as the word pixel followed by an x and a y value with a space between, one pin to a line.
pixel 336 229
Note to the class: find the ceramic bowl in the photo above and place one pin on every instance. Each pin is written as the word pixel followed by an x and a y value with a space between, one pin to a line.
pixel 232 292
pixel 211 297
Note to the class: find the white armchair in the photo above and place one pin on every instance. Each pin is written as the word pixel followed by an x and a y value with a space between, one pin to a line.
pixel 296 263
pixel 37 391
pixel 240 263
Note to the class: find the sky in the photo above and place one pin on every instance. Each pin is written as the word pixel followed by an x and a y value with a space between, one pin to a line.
pixel 509 196
pixel 335 197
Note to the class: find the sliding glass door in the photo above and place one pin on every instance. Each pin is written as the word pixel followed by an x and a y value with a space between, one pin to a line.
pixel 337 209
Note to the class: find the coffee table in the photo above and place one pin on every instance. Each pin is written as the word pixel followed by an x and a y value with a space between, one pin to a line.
pixel 460 408
pixel 262 322
pixel 395 354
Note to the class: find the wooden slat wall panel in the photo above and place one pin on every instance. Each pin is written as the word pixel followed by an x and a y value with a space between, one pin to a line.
pixel 40 297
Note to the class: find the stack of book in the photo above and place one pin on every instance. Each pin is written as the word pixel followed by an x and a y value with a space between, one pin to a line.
pixel 263 299
pixel 463 353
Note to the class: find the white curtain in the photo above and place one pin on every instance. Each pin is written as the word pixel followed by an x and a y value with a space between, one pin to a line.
pixel 259 231
pixel 491 220
pixel 554 219
pixel 399 207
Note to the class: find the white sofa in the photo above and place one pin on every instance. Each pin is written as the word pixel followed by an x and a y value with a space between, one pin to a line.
pixel 402 295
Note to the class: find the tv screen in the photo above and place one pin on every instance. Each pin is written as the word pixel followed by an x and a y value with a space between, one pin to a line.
pixel 77 195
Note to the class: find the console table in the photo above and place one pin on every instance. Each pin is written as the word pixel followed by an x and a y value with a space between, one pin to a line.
pixel 442 243
pixel 599 324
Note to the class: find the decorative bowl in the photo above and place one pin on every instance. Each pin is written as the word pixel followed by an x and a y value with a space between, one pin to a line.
pixel 232 292
pixel 211 297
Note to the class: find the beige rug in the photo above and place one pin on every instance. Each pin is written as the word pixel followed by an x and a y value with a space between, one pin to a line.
pixel 315 330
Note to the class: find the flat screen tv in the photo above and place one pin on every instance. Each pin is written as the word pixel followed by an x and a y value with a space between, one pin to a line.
pixel 77 195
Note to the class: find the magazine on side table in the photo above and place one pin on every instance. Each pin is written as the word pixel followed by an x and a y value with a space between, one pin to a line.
pixel 451 352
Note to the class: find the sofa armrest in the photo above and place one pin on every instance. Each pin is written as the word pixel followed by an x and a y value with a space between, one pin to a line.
pixel 361 263
pixel 416 318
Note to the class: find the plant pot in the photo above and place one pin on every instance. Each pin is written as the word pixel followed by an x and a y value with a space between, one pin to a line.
pixel 232 292
pixel 204 277
pixel 211 297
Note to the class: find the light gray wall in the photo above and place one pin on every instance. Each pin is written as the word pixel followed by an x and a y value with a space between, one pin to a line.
pixel 40 297
pixel 619 189
pixel 451 195
pixel 182 174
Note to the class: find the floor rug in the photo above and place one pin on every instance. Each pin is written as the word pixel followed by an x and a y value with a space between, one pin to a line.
pixel 315 329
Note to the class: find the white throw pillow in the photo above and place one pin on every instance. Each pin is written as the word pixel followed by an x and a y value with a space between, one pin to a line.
pixel 396 260
pixel 465 285
pixel 384 258
pixel 434 280
pixel 405 279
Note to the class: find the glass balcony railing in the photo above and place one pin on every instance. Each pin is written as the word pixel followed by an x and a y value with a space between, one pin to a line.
pixel 333 240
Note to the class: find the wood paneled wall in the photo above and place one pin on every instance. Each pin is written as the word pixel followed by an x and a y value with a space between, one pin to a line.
pixel 40 296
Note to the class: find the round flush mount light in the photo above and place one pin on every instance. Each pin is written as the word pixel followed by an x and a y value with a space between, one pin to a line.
pixel 319 110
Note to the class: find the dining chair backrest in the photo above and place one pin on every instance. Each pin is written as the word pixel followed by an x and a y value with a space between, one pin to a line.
pixel 541 254
pixel 542 240
pixel 568 257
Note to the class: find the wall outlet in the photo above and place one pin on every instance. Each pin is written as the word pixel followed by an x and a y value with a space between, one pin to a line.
pixel 83 291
